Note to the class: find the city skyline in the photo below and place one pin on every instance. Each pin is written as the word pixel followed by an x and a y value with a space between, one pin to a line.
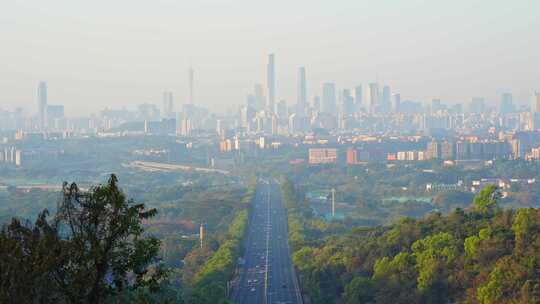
pixel 423 50
pixel 267 96
pixel 247 151
pixel 383 100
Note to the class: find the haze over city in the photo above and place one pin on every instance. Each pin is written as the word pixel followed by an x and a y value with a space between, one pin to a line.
pixel 123 53
pixel 248 152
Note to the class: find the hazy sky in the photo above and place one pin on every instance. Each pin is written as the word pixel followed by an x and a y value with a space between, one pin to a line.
pixel 124 52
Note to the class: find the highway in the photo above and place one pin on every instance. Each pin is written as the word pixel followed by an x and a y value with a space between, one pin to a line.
pixel 266 274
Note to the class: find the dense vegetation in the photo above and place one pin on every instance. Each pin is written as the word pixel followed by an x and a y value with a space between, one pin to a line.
pixel 482 255
pixel 383 251
pixel 210 283
pixel 97 247
pixel 184 200
pixel 379 194
pixel 92 251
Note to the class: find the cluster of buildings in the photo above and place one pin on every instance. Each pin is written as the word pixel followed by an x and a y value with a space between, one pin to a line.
pixel 504 184
pixel 374 108
pixel 514 145
pixel 357 124
pixel 371 108
pixel 11 155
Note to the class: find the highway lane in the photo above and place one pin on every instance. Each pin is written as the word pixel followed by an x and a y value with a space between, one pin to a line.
pixel 267 274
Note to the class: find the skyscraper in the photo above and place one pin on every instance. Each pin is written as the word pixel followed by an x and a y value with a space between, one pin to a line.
pixel 246 116
pixel 358 98
pixel 535 106
pixel 396 102
pixel 42 105
pixel 329 98
pixel 386 102
pixel 477 105
pixel 347 104
pixel 301 101
pixel 271 83
pixel 168 105
pixel 507 105
pixel 372 97
pixel 191 77
pixel 55 113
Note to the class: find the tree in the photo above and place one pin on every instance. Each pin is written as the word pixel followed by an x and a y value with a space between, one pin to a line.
pixel 435 256
pixel 29 258
pixel 504 282
pixel 486 201
pixel 524 225
pixel 395 279
pixel 359 290
pixel 93 250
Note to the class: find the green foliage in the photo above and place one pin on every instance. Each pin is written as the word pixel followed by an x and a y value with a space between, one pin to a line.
pixel 486 201
pixel 396 278
pixel 221 264
pixel 359 290
pixel 25 205
pixel 94 250
pixel 210 281
pixel 485 255
pixel 525 226
pixel 434 256
pixel 450 200
pixel 503 282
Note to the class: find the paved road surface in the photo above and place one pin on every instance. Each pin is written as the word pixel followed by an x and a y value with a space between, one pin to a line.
pixel 267 275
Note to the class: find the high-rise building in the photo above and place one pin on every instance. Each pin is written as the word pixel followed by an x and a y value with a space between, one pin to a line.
pixel 42 105
pixel 358 96
pixel 246 116
pixel 433 150
pixel 301 101
pixel 447 150
pixel 322 156
pixel 396 102
pixel 352 156
pixel 535 106
pixel 372 97
pixel 462 150
pixel 477 105
pixel 347 104
pixel 329 98
pixel 298 124
pixel 191 77
pixel 386 103
pixel 274 124
pixel 271 83
pixel 168 105
pixel 185 127
pixel 436 105
pixel 507 104
pixel 55 113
